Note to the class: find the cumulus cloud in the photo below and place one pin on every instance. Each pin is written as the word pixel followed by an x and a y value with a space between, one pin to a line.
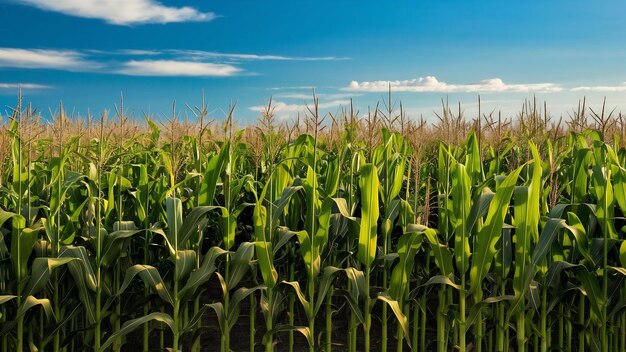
pixel 123 12
pixel 68 60
pixel 618 88
pixel 432 84
pixel 176 68
pixel 285 111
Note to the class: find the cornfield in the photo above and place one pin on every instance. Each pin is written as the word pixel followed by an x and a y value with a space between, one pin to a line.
pixel 333 233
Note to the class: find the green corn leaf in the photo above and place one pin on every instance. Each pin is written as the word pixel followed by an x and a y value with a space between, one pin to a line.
pixel 492 231
pixel 473 160
pixel 84 261
pixel 526 212
pixel 242 293
pixel 6 298
pixel 358 287
pixel 328 276
pixel 408 246
pixel 320 240
pixel 312 262
pixel 215 168
pixel 281 205
pixel 369 184
pixel 332 177
pixel 113 244
pixel 26 239
pixel 284 236
pixel 398 167
pixel 201 275
pixel 480 306
pixel 185 263
pixel 352 303
pixel 174 211
pixel 41 271
pixel 441 252
pixel 264 248
pixel 622 253
pixel 577 230
pixel 479 207
pixel 442 280
pixel 239 264
pixel 619 187
pixel 591 284
pixel 82 272
pixel 191 228
pixel 151 278
pixel 31 302
pixel 303 330
pixel 295 285
pixel 606 202
pixel 218 308
pixel 397 311
pixel 133 324
pixel 461 203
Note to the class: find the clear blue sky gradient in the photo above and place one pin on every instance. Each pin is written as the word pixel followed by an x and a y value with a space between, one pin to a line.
pixel 566 43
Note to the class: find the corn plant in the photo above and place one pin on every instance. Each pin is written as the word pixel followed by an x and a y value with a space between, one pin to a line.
pixel 151 233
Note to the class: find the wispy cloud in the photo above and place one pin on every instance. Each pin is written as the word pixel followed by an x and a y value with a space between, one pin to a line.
pixel 123 12
pixel 176 68
pixel 618 88
pixel 101 62
pixel 137 62
pixel 310 88
pixel 199 55
pixel 68 60
pixel 304 96
pixel 15 86
pixel 285 111
pixel 134 52
pixel 432 84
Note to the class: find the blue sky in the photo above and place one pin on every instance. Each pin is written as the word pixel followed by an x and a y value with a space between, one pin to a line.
pixel 86 52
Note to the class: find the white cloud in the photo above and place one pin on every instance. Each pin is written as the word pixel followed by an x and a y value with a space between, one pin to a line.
pixel 123 12
pixel 23 86
pixel 68 60
pixel 138 52
pixel 176 68
pixel 284 111
pixel 292 87
pixel 618 88
pixel 304 96
pixel 333 103
pixel 137 62
pixel 200 55
pixel 431 84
